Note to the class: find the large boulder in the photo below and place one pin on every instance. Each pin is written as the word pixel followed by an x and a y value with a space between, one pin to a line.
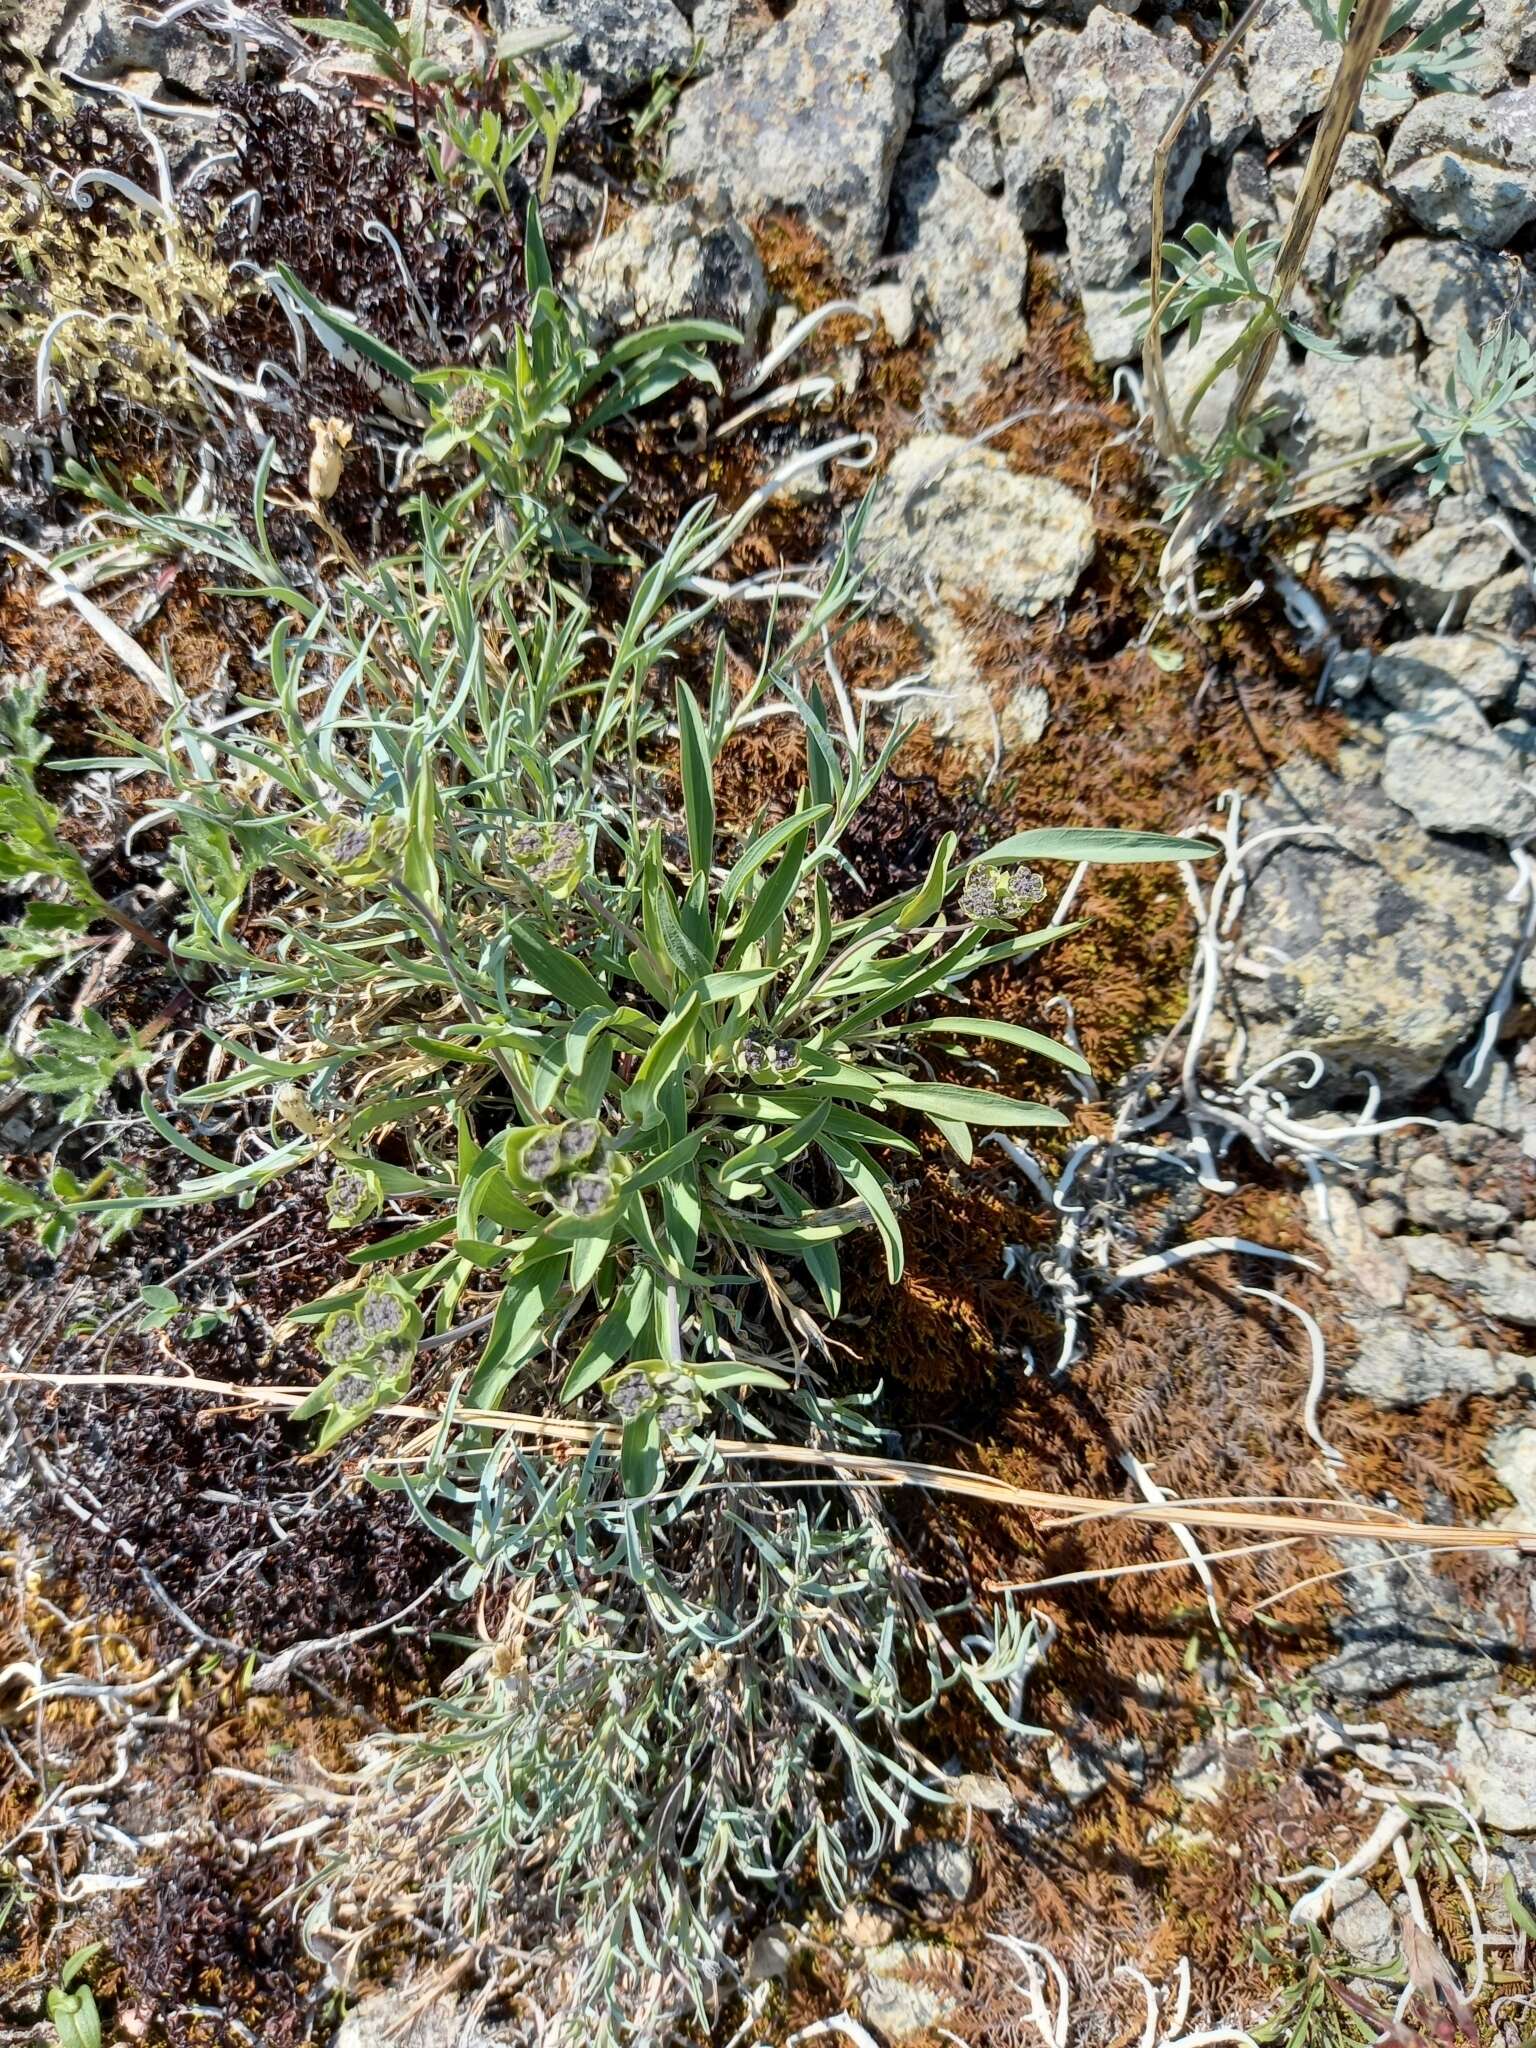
pixel 811 119
pixel 618 44
pixel 965 260
pixel 952 521
pixel 1381 947
pixel 1113 94
pixel 663 262
pixel 1467 167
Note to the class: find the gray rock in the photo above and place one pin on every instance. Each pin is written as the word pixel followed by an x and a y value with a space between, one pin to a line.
pixel 1360 1265
pixel 617 44
pixel 1349 407
pixel 965 262
pixel 105 38
pixel 952 520
pixel 863 1925
pixel 1496 1751
pixel 1114 96
pixel 1200 1773
pixel 384 2021
pixel 1452 289
pixel 911 1987
pixel 1407 1632
pixel 1031 155
pixel 811 118
pixel 1497 1283
pixel 1289 67
pixel 1478 668
pixel 1368 321
pixel 974 62
pixel 1348 237
pixel 662 262
pixel 1493 1100
pixel 1398 1366
pixel 1467 167
pixel 1441 571
pixel 960 519
pixel 1250 194
pixel 929 26
pixel 937 1869
pixel 1512 1454
pixel 1511 24
pixel 1506 605
pixel 1114 332
pixel 1446 765
pixel 975 150
pixel 1360 157
pixel 1388 945
pixel 1453 1207
pixel 1365 1924
pixel 1077 1773
pixel 1188 363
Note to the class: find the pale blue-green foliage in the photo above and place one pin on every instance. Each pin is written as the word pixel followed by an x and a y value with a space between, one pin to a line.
pixel 1438 54
pixel 1489 391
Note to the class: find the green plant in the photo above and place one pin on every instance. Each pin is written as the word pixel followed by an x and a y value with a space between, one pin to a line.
pixel 1438 56
pixel 79 1062
pixel 72 2013
pixel 521 421
pixel 410 54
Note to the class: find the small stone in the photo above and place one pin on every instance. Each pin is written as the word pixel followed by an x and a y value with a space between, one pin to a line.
pixel 1359 1262
pixel 1453 1208
pixel 1250 194
pixel 1512 1454
pixel 1348 237
pixel 1479 668
pixel 1453 289
pixel 1440 572
pixel 1030 147
pixel 1349 407
pixel 1398 1366
pixel 1077 1774
pixel 1368 321
pixel 1498 1284
pixel 770 1955
pixel 974 62
pixel 1114 330
pixel 865 1926
pixel 1383 949
pixel 1446 765
pixel 965 262
pixel 1115 95
pixel 1365 1924
pixel 938 1868
pixel 1200 1773
pixel 1497 1754
pixel 1493 1100
pixel 892 305
pixel 1289 66
pixel 1506 606
pixel 911 1987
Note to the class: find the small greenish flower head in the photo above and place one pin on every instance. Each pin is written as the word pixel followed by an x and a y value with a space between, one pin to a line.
pixel 551 858
pixel 352 1197
pixel 1001 894
pixel 357 850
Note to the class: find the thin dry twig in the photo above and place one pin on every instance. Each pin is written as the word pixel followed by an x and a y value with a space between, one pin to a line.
pixel 1211 1513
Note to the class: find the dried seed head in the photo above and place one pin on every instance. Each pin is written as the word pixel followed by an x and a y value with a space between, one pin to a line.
pixel 552 857
pixel 343 1339
pixel 1001 893
pixel 351 1196
pixel 465 403
pixel 382 1314
pixel 631 1396
pixel 583 1194
pixel 784 1056
pixel 579 1140
pixel 540 1157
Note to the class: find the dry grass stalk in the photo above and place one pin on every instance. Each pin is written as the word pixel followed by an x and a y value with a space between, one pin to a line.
pixel 1217 1514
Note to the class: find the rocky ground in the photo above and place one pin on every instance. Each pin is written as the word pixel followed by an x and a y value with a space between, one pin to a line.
pixel 1353 1082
